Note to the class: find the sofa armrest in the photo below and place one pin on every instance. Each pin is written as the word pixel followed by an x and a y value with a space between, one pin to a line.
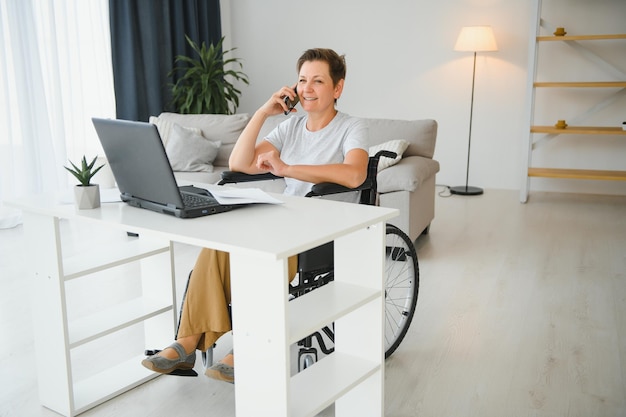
pixel 407 175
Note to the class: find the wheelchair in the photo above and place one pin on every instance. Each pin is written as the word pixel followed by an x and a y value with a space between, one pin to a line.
pixel 315 269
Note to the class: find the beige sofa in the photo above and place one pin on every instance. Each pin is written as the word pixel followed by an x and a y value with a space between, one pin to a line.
pixel 408 184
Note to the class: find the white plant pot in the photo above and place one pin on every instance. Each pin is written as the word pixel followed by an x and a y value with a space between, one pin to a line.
pixel 87 197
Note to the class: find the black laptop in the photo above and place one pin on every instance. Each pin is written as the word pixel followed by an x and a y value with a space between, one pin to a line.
pixel 143 173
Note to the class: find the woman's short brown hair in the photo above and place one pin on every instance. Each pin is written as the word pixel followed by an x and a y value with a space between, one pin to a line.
pixel 336 62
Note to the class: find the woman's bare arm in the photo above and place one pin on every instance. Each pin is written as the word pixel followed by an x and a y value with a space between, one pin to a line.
pixel 351 173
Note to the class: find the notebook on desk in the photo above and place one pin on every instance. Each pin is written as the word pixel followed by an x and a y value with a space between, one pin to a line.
pixel 143 173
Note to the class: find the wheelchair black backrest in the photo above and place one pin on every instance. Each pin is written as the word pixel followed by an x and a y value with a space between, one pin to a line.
pixel 321 258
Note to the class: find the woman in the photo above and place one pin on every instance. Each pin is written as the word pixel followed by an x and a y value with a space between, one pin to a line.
pixel 323 145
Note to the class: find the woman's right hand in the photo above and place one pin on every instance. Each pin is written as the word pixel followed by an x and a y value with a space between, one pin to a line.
pixel 276 103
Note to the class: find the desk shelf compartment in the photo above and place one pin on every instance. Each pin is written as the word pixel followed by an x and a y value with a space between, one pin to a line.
pixel 105 385
pixel 102 258
pixel 111 365
pixel 82 300
pixel 332 377
pixel 323 383
pixel 114 318
pixel 337 299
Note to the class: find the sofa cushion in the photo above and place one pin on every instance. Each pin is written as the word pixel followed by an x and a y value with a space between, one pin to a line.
pixel 397 146
pixel 217 127
pixel 190 151
pixel 421 134
pixel 407 175
pixel 165 127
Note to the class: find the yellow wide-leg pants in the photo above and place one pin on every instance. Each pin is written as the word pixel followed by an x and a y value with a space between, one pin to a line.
pixel 205 309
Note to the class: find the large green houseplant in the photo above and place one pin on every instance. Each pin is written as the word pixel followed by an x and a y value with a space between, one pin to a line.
pixel 204 84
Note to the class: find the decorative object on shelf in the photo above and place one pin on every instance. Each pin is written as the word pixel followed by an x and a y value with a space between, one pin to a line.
pixel 623 125
pixel 560 32
pixel 203 88
pixel 86 194
pixel 560 124
pixel 473 39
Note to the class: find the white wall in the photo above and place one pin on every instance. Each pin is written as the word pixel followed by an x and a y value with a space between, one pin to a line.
pixel 401 64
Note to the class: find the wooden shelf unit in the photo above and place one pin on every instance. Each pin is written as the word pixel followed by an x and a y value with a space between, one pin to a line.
pixel 579 130
pixel 577 174
pixel 550 132
pixel 581 37
pixel 583 84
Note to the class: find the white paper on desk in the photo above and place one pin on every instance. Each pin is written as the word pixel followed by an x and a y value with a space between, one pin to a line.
pixel 243 196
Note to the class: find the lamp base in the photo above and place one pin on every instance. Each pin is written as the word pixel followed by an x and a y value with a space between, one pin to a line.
pixel 466 190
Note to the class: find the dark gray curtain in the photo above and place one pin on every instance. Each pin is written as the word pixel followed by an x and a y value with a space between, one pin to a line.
pixel 146 37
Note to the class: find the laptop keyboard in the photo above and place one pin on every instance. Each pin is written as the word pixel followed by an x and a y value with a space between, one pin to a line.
pixel 195 200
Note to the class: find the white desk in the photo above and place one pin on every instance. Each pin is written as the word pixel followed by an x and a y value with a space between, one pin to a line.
pixel 260 239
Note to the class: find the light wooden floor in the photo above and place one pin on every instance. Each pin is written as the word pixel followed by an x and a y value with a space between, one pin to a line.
pixel 522 312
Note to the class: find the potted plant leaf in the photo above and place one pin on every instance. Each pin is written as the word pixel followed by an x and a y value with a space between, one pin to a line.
pixel 204 84
pixel 86 194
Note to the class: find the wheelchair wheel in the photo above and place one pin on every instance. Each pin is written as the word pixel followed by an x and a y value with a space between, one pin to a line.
pixel 401 288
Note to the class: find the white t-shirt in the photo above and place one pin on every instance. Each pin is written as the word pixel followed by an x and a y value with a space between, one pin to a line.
pixel 330 145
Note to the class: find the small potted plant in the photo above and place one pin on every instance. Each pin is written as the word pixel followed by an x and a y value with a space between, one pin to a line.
pixel 86 194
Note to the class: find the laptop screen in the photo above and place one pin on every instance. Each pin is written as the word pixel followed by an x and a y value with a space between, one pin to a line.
pixel 136 155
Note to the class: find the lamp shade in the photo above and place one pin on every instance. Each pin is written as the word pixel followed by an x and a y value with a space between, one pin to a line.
pixel 476 39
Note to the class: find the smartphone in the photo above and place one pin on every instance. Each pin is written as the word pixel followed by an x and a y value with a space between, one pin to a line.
pixel 291 103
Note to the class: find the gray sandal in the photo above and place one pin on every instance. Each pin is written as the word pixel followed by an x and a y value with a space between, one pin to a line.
pixel 163 365
pixel 221 372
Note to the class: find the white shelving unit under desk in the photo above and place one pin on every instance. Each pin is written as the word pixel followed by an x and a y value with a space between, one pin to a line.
pixel 333 376
pixel 61 333
pixel 337 298
pixel 265 323
pixel 338 373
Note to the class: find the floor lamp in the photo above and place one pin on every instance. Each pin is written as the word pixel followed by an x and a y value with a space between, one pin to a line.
pixel 473 39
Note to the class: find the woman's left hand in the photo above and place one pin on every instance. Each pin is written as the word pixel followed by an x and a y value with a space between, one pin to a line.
pixel 271 162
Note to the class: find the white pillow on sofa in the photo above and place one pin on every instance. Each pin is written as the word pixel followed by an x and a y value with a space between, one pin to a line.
pixel 165 128
pixel 189 151
pixel 398 146
pixel 224 128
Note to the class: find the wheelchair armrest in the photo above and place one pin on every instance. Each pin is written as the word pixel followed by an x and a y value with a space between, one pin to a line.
pixel 386 154
pixel 327 188
pixel 368 188
pixel 231 177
